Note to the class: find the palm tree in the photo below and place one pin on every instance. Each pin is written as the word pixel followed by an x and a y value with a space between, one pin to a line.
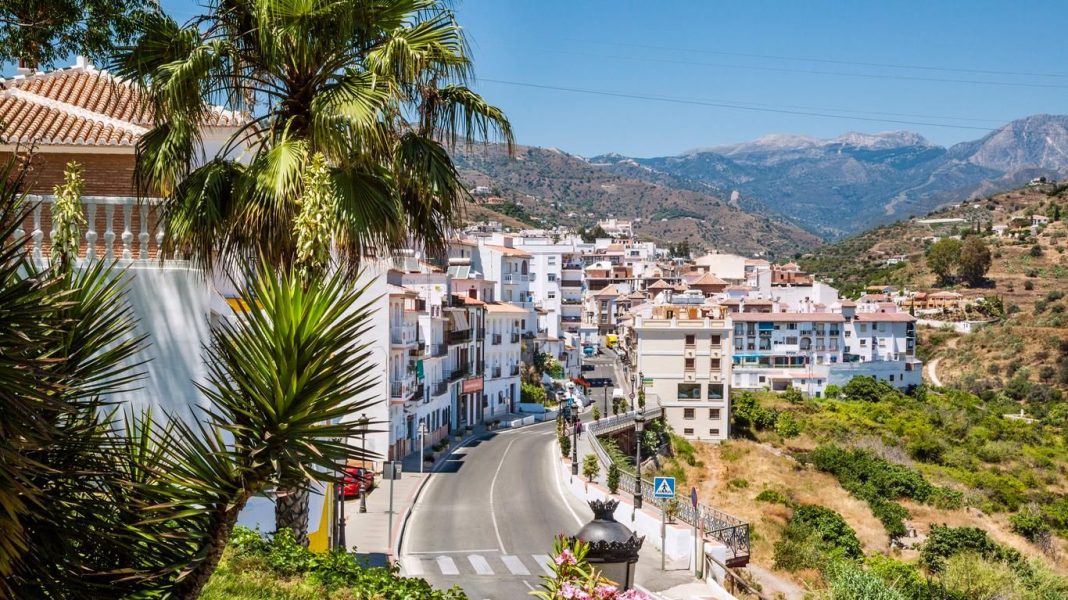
pixel 375 89
pixel 378 87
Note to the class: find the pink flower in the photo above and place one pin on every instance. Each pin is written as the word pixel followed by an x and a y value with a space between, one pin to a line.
pixel 565 557
pixel 606 591
pixel 569 592
pixel 631 595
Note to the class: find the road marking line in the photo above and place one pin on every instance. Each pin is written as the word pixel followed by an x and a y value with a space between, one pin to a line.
pixel 493 484
pixel 515 565
pixel 527 583
pixel 481 566
pixel 558 475
pixel 543 562
pixel 447 566
pixel 412 566
pixel 469 551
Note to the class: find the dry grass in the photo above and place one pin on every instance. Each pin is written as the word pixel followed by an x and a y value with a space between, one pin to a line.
pixel 762 468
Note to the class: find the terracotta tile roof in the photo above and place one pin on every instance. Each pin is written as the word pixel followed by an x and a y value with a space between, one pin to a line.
pixel 504 307
pixel 607 291
pixel 895 317
pixel 660 284
pixel 79 106
pixel 708 279
pixel 508 251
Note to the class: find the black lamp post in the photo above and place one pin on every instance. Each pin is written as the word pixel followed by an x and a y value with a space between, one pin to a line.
pixel 613 547
pixel 574 447
pixel 639 426
pixel 363 447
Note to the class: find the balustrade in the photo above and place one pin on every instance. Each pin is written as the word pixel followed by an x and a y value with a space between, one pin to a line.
pixel 108 232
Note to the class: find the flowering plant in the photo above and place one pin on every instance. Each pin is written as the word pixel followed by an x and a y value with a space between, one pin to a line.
pixel 574 578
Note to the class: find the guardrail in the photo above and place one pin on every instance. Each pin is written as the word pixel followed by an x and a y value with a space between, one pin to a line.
pixel 731 531
pixel 732 583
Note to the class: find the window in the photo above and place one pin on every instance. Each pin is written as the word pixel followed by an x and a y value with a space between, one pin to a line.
pixel 552 276
pixel 713 413
pixel 791 325
pixel 714 432
pixel 552 295
pixel 791 341
pixel 863 328
pixel 714 364
pixel 715 340
pixel 689 391
pixel 863 343
pixel 688 431
pixel 715 391
pixel 689 414
pixel 891 377
pixel 739 343
pixel 689 364
pixel 690 340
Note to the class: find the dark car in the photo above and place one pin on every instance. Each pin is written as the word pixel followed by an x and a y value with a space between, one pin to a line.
pixel 588 367
pixel 600 381
pixel 355 478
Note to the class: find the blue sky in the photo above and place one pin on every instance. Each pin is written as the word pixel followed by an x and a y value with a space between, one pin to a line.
pixel 773 56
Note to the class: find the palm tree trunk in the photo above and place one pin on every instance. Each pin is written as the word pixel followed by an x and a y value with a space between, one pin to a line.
pixel 291 512
pixel 192 583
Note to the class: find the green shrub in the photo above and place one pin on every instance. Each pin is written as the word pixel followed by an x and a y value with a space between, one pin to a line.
pixel 612 479
pixel 867 389
pixel 793 395
pixel 832 391
pixel 738 483
pixel 773 497
pixel 787 426
pixel 946 499
pixel 848 581
pixel 944 542
pixel 1029 525
pixel 565 446
pixel 830 527
pixel 590 467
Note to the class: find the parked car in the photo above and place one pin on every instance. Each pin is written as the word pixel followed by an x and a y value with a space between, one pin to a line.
pixel 355 478
pixel 588 367
pixel 600 381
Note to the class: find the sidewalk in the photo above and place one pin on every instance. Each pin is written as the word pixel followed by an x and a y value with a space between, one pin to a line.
pixel 368 534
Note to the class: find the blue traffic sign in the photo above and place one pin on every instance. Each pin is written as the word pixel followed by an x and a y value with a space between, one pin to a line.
pixel 663 487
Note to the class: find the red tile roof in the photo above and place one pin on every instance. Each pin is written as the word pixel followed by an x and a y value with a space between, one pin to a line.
pixel 894 317
pixel 79 106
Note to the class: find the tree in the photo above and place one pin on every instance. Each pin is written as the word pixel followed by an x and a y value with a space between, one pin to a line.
pixel 361 102
pixel 612 479
pixel 532 393
pixel 942 258
pixel 39 32
pixel 380 94
pixel 974 260
pixel 591 235
pixel 590 467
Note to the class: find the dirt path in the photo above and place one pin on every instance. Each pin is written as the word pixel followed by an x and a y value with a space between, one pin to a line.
pixel 772 584
pixel 931 368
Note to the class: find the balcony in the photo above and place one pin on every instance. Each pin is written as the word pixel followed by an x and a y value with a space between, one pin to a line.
pixel 457 374
pixel 438 350
pixel 514 337
pixel 570 283
pixel 496 339
pixel 459 337
pixel 404 335
pixel 513 278
pixel 404 389
pixel 440 388
pixel 495 372
pixel 513 370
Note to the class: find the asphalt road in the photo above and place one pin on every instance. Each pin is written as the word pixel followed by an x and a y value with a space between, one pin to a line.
pixel 487 521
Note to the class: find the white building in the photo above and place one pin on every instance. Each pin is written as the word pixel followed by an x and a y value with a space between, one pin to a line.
pixel 503 364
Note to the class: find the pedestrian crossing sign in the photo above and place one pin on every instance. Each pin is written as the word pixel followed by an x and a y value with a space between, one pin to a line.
pixel 663 487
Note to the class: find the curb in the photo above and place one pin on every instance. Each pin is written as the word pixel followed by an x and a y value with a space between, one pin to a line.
pixel 395 550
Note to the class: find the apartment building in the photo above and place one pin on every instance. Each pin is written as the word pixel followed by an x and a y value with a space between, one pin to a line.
pixel 503 346
pixel 683 352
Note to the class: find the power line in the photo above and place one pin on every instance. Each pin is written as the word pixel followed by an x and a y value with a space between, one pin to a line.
pixel 736 106
pixel 813 71
pixel 822 60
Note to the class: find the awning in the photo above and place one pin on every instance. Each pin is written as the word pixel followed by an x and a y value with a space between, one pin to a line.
pixel 458 318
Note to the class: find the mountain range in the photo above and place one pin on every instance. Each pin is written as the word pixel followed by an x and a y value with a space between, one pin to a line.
pixel 779 193
pixel 834 187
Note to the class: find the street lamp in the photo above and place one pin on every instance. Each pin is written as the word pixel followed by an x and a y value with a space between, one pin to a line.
pixel 639 426
pixel 613 547
pixel 363 448
pixel 422 434
pixel 574 446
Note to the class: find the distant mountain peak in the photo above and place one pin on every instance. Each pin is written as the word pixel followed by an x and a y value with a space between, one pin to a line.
pixel 886 139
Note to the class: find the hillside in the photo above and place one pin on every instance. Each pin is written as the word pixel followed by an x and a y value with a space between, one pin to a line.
pixel 561 188
pixel 843 185
pixel 1028 273
pixel 896 469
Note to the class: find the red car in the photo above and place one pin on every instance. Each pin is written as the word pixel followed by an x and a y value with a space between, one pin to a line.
pixel 356 478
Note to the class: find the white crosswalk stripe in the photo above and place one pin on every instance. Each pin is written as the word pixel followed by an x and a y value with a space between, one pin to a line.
pixel 447 566
pixel 412 566
pixel 481 565
pixel 543 562
pixel 515 565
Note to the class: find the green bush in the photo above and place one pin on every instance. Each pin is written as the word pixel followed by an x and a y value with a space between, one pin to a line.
pixel 832 391
pixel 612 479
pixel 531 393
pixel 590 467
pixel 867 389
pixel 831 528
pixel 793 395
pixel 1029 525
pixel 738 483
pixel 565 445
pixel 848 581
pixel 944 542
pixel 773 497
pixel 787 426
pixel 254 565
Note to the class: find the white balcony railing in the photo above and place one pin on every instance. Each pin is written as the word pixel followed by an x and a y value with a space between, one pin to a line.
pixel 119 228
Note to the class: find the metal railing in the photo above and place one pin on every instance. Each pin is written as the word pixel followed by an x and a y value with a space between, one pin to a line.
pixel 515 338
pixel 437 350
pixel 732 582
pixel 727 529
pixel 496 372
pixel 440 388
pixel 496 340
pixel 514 370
